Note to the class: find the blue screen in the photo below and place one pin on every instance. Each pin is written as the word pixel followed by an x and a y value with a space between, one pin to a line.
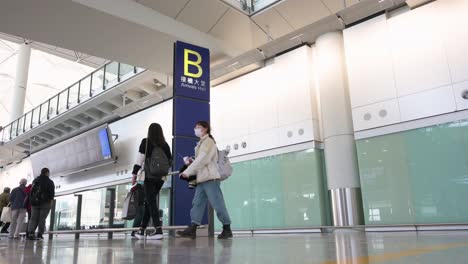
pixel 105 146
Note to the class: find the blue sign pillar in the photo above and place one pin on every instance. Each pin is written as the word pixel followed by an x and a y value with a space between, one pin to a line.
pixel 191 104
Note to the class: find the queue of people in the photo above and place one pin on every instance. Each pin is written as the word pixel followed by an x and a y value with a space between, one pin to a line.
pixel 34 200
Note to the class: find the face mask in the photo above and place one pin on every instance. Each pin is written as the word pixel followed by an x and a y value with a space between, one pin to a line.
pixel 198 132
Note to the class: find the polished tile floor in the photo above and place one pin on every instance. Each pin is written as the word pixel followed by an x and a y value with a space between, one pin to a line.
pixel 342 247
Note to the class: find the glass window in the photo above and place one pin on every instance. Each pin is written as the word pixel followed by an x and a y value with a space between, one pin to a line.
pixel 280 191
pixel 251 7
pixel 416 176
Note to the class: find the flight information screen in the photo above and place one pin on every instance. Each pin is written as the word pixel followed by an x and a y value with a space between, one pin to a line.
pixel 84 151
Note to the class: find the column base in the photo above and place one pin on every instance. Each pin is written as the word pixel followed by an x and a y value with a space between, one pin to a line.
pixel 347 206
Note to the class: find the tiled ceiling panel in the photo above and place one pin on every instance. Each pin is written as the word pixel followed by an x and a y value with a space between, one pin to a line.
pixel 338 5
pixel 237 29
pixel 300 13
pixel 202 14
pixel 273 23
pixel 167 7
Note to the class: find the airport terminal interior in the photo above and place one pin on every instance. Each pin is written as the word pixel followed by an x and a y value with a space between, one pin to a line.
pixel 341 129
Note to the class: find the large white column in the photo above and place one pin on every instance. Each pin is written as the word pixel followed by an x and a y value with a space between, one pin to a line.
pixel 21 81
pixel 337 128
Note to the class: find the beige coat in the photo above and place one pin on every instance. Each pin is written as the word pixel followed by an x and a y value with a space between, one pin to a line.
pixel 205 165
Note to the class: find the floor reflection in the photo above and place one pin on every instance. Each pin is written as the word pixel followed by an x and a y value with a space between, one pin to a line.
pixel 340 247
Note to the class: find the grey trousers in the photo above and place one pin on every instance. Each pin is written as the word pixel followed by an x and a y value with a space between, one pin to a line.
pixel 38 217
pixel 17 220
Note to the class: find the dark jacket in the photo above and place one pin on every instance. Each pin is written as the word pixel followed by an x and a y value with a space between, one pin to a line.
pixel 17 197
pixel 47 188
pixel 142 150
pixel 4 200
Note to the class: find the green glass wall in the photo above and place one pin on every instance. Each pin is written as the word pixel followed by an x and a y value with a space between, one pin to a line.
pixel 416 177
pixel 281 191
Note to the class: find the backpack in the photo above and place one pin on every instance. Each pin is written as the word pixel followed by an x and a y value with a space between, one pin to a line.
pixel 157 165
pixel 224 165
pixel 37 196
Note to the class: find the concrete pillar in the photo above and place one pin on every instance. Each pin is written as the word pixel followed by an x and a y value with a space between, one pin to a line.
pixel 21 81
pixel 337 128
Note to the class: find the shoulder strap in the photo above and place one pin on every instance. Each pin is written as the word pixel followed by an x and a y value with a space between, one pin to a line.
pixel 146 148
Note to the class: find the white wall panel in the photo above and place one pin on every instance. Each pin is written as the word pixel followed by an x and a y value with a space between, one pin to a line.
pixel 453 25
pixel 376 115
pixel 458 90
pixel 296 133
pixel 260 102
pixel 238 146
pixel 369 62
pixel 293 78
pixel 427 103
pixel 264 140
pixel 418 54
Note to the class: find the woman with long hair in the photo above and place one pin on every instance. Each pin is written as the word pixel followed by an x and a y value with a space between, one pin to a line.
pixel 205 166
pixel 154 153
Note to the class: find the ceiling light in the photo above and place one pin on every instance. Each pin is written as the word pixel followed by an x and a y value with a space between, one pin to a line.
pixel 417 3
pixel 298 36
pixel 235 63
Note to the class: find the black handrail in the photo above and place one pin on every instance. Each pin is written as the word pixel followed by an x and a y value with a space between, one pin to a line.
pixel 32 112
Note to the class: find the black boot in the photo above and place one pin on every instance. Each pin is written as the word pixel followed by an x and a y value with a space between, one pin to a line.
pixel 227 233
pixel 190 231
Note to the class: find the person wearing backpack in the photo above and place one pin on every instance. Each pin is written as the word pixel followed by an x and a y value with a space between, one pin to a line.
pixel 4 202
pixel 41 198
pixel 18 210
pixel 155 157
pixel 205 166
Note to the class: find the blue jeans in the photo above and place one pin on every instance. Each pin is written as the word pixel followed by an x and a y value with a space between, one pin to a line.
pixel 209 192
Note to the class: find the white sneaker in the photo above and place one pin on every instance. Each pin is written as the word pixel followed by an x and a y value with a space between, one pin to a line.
pixel 140 235
pixel 154 236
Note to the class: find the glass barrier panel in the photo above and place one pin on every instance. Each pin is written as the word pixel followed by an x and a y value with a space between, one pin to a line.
pixel 14 126
pixel 125 69
pixel 97 83
pixel 85 86
pixel 62 104
pixel 53 107
pixel 35 117
pixel 7 133
pixel 27 124
pixel 111 74
pixel 20 126
pixel 121 192
pixel 93 213
pixel 65 212
pixel 44 111
pixel 73 95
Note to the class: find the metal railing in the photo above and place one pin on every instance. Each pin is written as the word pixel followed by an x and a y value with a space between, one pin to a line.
pixel 106 77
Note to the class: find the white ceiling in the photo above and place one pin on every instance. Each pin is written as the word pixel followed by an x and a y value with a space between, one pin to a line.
pixel 142 32
pixel 232 26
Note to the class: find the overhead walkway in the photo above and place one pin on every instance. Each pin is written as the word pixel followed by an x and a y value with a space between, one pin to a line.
pixel 110 92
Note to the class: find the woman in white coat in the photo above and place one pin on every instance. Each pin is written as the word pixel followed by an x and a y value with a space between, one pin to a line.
pixel 205 166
